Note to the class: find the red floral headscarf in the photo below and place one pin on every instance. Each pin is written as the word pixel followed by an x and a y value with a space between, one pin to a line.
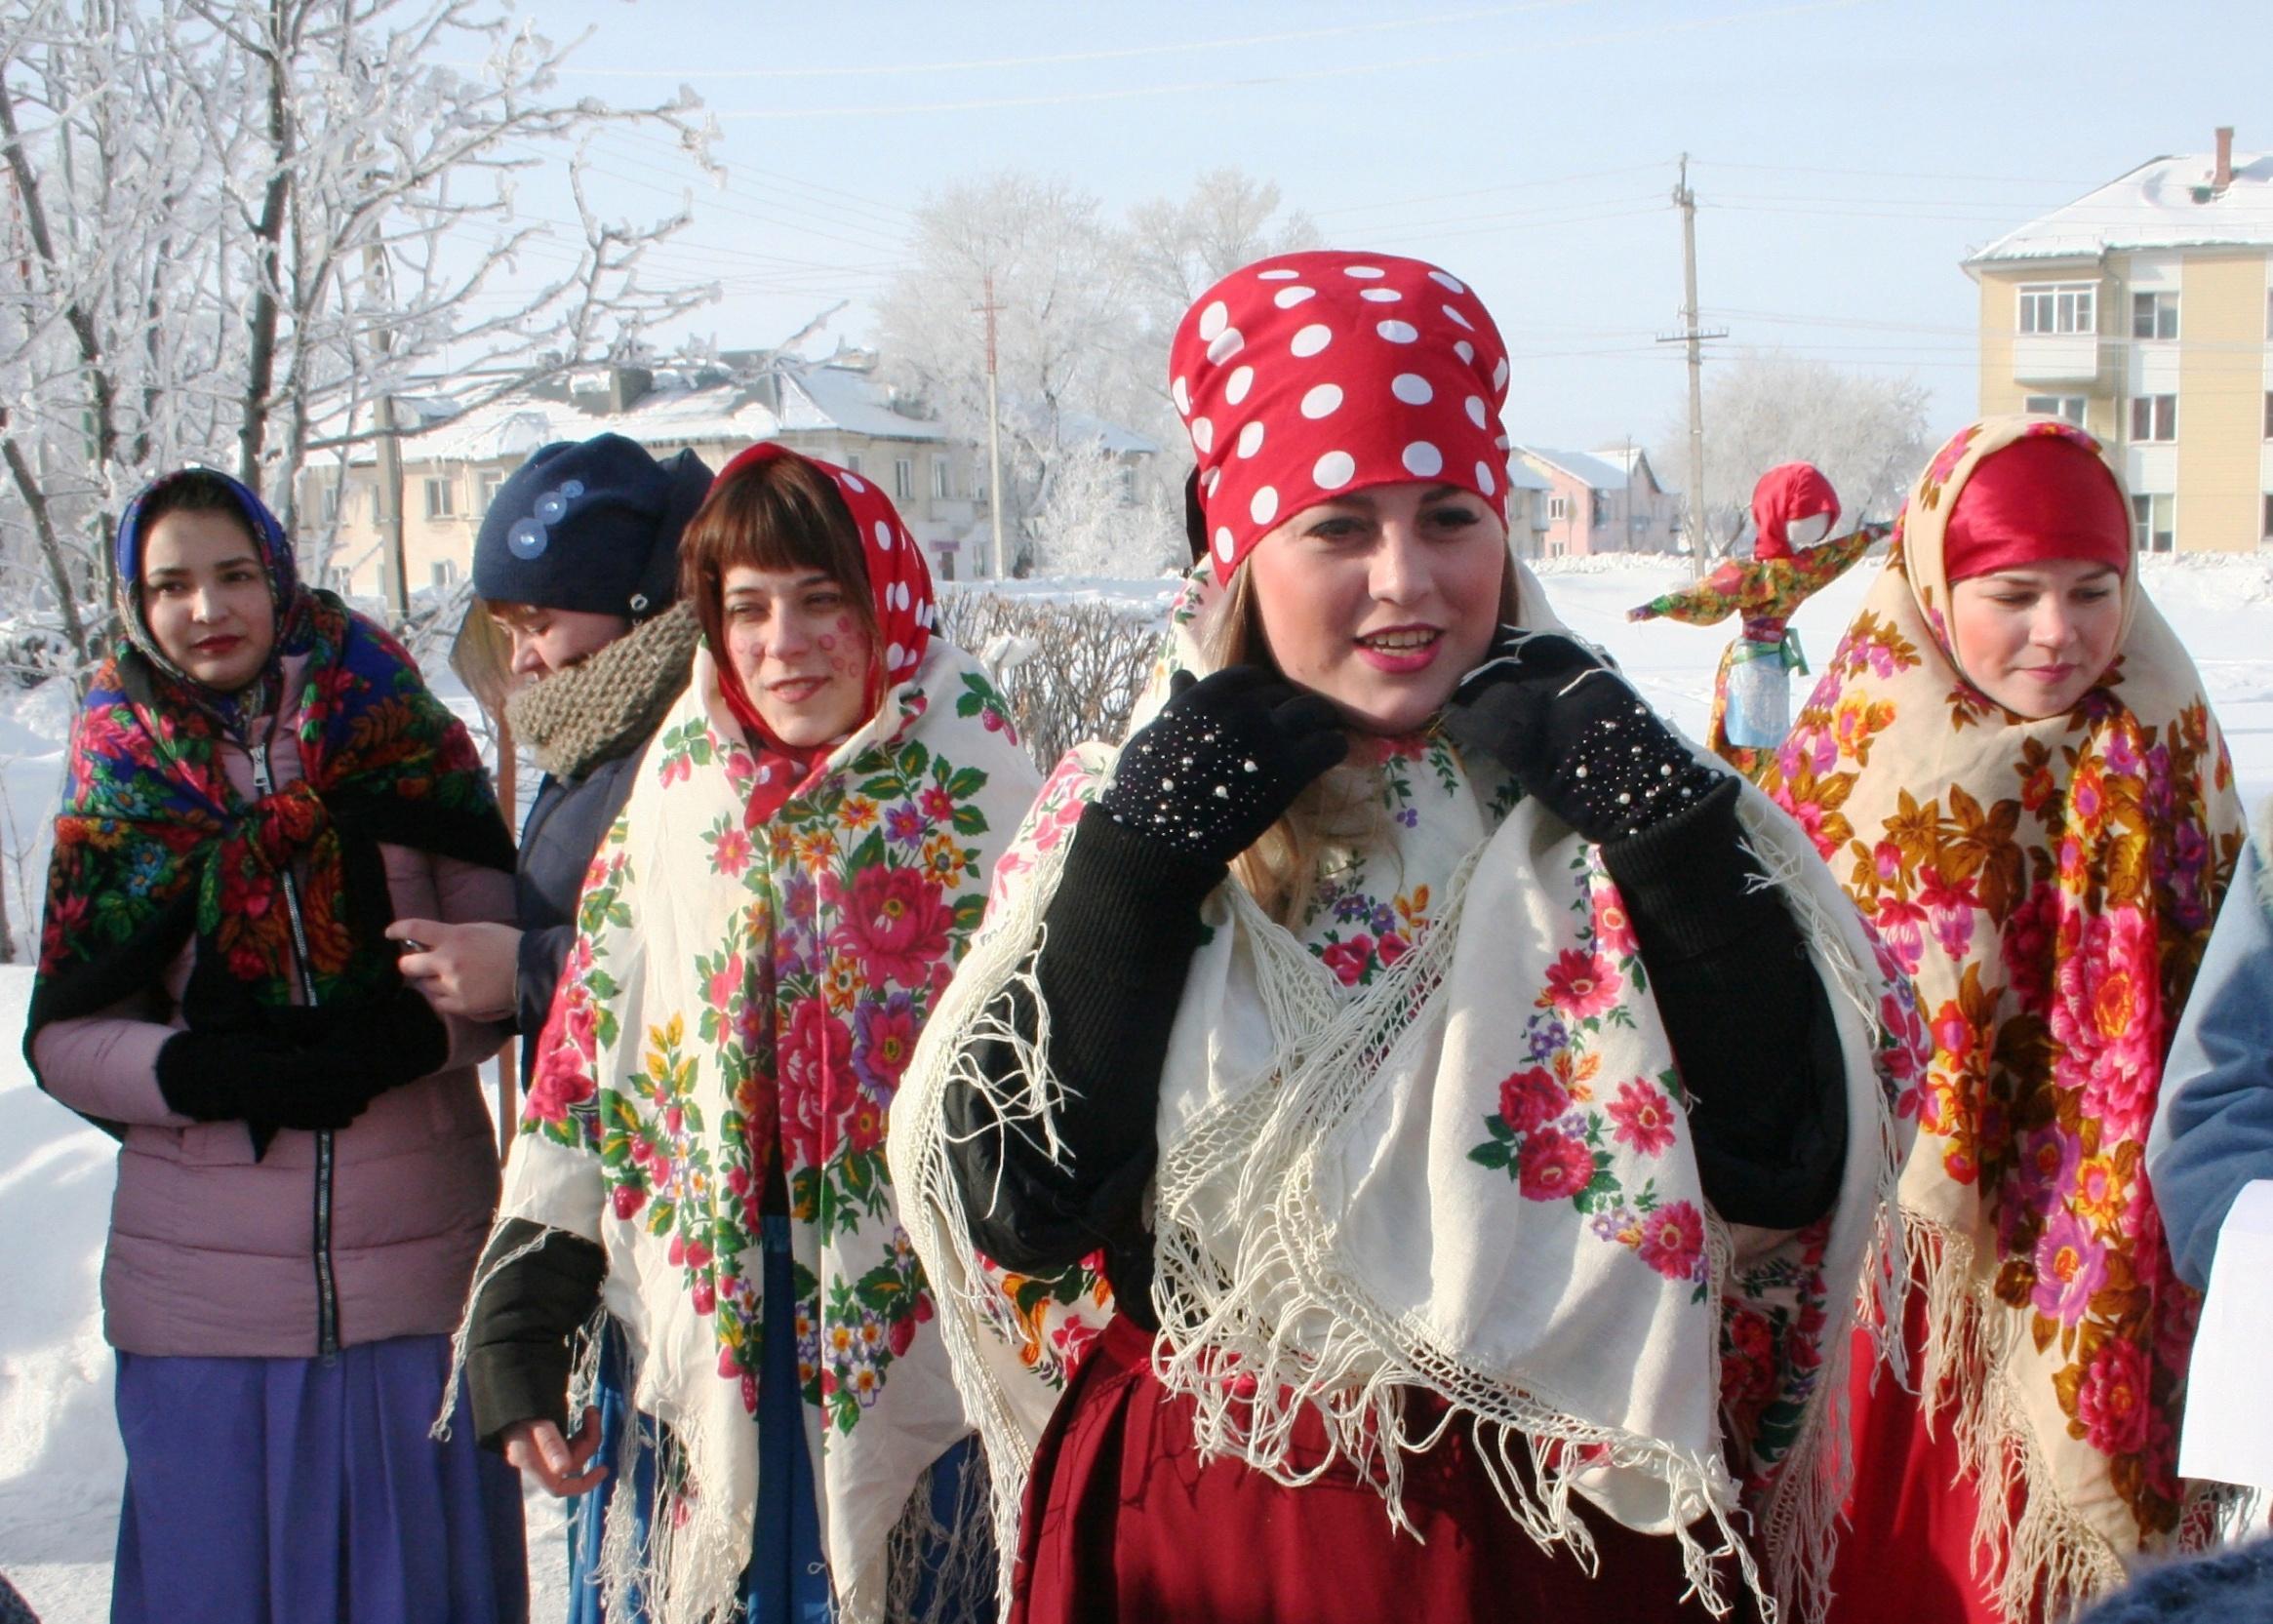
pixel 1305 377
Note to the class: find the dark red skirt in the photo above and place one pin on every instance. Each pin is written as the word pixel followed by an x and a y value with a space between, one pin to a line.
pixel 1906 1553
pixel 1122 1522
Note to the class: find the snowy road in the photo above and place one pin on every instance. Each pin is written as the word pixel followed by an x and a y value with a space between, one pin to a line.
pixel 59 1458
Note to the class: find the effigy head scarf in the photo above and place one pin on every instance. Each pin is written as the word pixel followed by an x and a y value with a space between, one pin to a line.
pixel 2048 885
pixel 1306 377
pixel 1426 1136
pixel 1785 494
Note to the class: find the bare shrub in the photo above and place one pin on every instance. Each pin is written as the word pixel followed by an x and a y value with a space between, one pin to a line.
pixel 1071 671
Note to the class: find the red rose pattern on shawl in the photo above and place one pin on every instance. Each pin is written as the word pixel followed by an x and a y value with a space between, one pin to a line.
pixel 864 890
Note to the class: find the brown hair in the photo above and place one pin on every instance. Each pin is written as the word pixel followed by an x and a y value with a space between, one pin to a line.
pixel 1342 807
pixel 780 513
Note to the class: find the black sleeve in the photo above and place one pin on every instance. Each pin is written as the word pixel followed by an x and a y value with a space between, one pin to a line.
pixel 537 975
pixel 517 1347
pixel 1748 1015
pixel 1118 941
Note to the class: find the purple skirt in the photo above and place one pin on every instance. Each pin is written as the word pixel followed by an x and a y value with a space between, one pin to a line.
pixel 287 1489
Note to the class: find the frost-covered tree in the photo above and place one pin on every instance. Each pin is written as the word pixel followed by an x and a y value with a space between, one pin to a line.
pixel 233 228
pixel 1866 431
pixel 1098 520
pixel 1085 311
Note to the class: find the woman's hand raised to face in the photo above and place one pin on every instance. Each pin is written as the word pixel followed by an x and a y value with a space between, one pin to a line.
pixel 1575 736
pixel 1222 761
pixel 464 969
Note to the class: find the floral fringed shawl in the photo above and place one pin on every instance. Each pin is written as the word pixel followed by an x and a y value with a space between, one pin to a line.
pixel 1433 1138
pixel 155 846
pixel 739 1006
pixel 1764 593
pixel 2050 886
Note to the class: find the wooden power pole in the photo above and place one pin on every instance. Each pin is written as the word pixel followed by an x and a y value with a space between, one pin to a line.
pixel 1693 337
pixel 993 436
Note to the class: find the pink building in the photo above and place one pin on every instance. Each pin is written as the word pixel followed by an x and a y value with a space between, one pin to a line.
pixel 1603 501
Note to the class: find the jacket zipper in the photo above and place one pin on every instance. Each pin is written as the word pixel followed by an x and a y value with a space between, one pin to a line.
pixel 327 1283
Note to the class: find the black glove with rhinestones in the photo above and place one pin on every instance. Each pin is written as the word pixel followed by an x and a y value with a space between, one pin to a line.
pixel 1575 736
pixel 1222 761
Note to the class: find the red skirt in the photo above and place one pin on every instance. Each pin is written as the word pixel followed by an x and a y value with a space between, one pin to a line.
pixel 1906 1553
pixel 1123 1522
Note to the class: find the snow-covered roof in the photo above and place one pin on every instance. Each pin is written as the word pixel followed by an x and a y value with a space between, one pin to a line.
pixel 1105 436
pixel 2164 203
pixel 1521 475
pixel 683 406
pixel 1626 457
pixel 1597 474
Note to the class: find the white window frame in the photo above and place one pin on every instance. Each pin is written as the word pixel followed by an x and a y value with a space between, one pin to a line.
pixel 2159 308
pixel 441 496
pixel 2143 528
pixel 903 479
pixel 487 483
pixel 852 463
pixel 444 574
pixel 1558 508
pixel 942 479
pixel 2056 308
pixel 2071 407
pixel 2154 419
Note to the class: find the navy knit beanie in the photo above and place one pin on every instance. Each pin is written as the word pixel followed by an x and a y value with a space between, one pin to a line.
pixel 589 526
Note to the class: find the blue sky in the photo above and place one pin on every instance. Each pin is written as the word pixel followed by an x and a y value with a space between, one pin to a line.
pixel 1845 154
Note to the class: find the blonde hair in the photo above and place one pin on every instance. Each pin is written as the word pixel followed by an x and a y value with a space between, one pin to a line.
pixel 1342 810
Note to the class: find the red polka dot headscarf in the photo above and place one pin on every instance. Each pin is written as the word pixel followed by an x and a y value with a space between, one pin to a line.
pixel 899 580
pixel 1305 377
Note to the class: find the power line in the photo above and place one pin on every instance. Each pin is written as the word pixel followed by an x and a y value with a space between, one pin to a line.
pixel 1252 82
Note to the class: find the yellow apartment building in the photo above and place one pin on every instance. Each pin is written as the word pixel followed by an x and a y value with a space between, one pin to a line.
pixel 2144 310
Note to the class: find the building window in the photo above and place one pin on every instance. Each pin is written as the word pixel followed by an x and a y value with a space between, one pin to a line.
pixel 1557 507
pixel 441 496
pixel 486 485
pixel 2154 417
pixel 942 478
pixel 2071 407
pixel 2058 308
pixel 2265 531
pixel 2270 414
pixel 903 480
pixel 328 495
pixel 2154 524
pixel 852 463
pixel 946 566
pixel 2154 315
pixel 445 573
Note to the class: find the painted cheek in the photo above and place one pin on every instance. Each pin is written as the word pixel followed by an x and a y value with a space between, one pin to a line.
pixel 827 645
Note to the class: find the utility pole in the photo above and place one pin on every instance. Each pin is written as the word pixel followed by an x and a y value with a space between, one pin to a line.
pixel 393 566
pixel 1693 337
pixel 993 435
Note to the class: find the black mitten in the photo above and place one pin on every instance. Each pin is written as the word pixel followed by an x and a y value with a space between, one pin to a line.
pixel 1575 736
pixel 1222 761
pixel 394 1039
pixel 261 1078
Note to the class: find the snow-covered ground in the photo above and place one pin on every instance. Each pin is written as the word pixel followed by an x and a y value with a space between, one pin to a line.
pixel 60 1455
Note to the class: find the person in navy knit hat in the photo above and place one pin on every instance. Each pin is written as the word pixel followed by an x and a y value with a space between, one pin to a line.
pixel 2236 1584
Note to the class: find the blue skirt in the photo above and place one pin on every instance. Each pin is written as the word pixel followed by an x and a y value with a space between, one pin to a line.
pixel 287 1489
pixel 787 1581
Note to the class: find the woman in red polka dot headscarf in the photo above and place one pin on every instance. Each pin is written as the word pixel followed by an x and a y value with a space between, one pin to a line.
pixel 1329 1153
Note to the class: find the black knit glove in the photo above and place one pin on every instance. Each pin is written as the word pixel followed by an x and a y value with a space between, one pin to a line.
pixel 1575 736
pixel 1222 761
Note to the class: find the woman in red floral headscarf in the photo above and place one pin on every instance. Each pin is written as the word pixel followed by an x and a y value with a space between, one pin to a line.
pixel 2011 767
pixel 761 936
pixel 1378 1020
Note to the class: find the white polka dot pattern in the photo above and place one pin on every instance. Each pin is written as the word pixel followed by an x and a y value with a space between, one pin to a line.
pixel 1317 373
